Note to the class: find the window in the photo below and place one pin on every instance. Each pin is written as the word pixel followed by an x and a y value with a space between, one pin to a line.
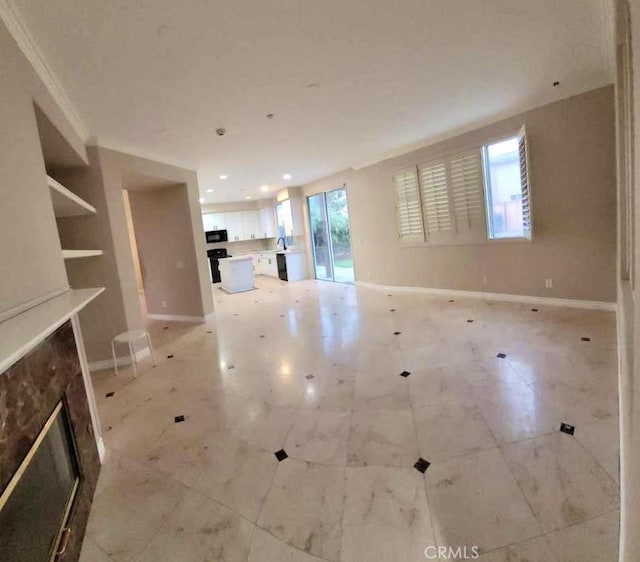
pixel 467 198
pixel 408 206
pixel 507 188
pixel 285 221
pixel 452 200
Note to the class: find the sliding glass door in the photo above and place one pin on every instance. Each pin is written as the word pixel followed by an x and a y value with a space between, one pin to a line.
pixel 331 236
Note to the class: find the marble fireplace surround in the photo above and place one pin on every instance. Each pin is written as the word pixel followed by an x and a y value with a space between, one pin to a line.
pixel 30 389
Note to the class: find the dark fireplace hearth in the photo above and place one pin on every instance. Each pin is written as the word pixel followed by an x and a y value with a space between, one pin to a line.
pixel 49 461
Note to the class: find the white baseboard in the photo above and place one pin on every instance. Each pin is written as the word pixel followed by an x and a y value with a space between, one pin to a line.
pixel 122 361
pixel 101 449
pixel 504 297
pixel 175 318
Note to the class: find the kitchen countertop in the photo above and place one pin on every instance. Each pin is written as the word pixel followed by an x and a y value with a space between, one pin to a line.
pixel 236 258
pixel 287 251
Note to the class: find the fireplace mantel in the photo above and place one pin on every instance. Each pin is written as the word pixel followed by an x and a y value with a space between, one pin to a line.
pixel 21 333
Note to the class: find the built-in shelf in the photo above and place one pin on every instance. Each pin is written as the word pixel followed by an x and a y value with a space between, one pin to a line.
pixel 66 203
pixel 73 254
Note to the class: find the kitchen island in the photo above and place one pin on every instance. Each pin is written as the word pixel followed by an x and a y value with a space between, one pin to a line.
pixel 237 274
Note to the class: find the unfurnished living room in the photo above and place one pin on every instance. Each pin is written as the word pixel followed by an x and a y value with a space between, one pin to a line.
pixel 340 281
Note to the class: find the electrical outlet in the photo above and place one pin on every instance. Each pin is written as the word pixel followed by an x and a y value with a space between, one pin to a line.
pixel 164 304
pixel 548 283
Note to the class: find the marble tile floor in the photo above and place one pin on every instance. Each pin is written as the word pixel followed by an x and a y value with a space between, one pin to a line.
pixel 314 369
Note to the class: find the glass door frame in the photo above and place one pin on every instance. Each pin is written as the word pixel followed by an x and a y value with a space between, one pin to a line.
pixel 328 233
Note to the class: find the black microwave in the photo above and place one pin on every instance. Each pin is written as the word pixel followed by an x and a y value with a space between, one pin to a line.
pixel 213 236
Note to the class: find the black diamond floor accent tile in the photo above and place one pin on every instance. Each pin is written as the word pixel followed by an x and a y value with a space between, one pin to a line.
pixel 567 428
pixel 165 328
pixel 169 356
pixel 451 300
pixel 209 332
pixel 585 339
pixel 405 374
pixel 309 377
pixel 389 295
pixel 422 465
pixel 392 310
pixel 178 419
pixel 281 455
pixel 469 321
pixel 501 355
pixel 396 333
pixel 262 336
pixel 231 366
pixel 534 310
pixel 109 394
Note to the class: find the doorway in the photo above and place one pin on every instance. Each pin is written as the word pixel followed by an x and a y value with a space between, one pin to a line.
pixel 331 236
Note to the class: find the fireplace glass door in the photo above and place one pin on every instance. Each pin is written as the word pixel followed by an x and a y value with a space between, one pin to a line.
pixel 36 503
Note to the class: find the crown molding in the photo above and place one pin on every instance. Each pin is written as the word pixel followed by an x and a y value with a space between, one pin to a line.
pixel 25 41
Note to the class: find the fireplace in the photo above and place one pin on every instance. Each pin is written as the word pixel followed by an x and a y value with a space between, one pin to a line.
pixel 35 506
pixel 49 462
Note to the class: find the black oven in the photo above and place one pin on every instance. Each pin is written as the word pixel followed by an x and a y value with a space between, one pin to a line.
pixel 213 236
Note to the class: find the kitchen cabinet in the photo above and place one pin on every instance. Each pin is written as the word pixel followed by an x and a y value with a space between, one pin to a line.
pixel 233 223
pixel 213 221
pixel 254 224
pixel 251 225
pixel 268 219
pixel 268 264
pixel 207 222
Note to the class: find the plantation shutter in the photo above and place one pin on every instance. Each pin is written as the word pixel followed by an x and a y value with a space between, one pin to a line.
pixel 436 208
pixel 525 185
pixel 467 193
pixel 408 206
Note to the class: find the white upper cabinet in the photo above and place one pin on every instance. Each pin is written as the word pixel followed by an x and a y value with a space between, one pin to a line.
pixel 207 222
pixel 251 225
pixel 219 221
pixel 235 230
pixel 268 219
pixel 214 221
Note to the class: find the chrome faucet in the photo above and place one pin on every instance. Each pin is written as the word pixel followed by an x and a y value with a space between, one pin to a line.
pixel 284 243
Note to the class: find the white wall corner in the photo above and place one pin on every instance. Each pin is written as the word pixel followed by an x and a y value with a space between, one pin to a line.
pixel 10 15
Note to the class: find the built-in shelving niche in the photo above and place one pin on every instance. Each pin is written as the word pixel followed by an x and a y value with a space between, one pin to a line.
pixel 67 176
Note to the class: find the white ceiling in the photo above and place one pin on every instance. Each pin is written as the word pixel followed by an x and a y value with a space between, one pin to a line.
pixel 349 81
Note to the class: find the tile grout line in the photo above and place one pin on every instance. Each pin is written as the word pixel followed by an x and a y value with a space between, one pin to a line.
pixel 504 459
pixel 424 477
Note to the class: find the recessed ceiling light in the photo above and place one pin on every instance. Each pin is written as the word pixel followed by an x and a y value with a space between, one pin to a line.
pixel 223 176
pixel 286 177
pixel 201 200
pixel 264 188
pixel 209 190
pixel 248 197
